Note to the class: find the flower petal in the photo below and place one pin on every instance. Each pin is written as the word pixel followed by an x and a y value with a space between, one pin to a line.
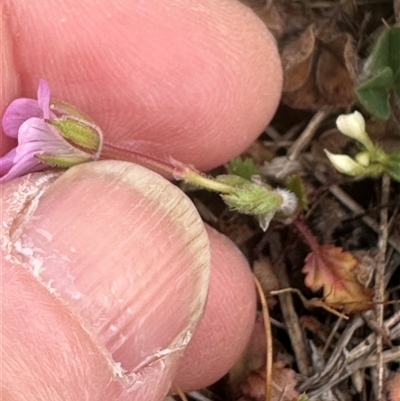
pixel 37 137
pixel 43 96
pixel 17 112
pixel 345 164
pixel 28 165
pixel 7 161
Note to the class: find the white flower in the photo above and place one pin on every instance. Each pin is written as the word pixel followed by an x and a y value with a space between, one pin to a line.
pixel 345 164
pixel 353 126
pixel 363 158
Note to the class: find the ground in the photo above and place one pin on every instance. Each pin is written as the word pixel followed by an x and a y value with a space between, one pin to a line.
pixel 336 332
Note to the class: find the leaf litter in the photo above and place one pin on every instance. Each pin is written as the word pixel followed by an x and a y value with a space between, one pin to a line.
pixel 340 256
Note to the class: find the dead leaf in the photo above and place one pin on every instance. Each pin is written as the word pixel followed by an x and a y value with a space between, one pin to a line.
pixel 263 270
pixel 393 387
pixel 319 70
pixel 297 60
pixel 283 384
pixel 268 14
pixel 236 227
pixel 315 326
pixel 336 272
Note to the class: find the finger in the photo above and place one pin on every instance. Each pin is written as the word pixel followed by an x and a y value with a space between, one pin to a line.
pixel 118 259
pixel 200 78
pixel 228 321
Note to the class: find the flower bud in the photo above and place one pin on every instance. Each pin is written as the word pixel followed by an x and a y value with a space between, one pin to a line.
pixel 250 197
pixel 345 164
pixel 80 134
pixel 363 158
pixel 353 126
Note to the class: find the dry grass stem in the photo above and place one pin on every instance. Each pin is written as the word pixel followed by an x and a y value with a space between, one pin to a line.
pixel 268 339
pixel 290 317
pixel 379 281
pixel 181 394
pixel 306 136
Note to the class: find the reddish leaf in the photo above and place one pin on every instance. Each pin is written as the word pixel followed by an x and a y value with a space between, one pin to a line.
pixel 337 273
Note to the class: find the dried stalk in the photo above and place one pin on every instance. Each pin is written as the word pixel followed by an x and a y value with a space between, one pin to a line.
pixel 268 339
pixel 380 281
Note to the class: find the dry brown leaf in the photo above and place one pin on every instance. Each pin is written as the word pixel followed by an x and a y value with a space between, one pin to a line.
pixel 393 388
pixel 297 60
pixel 268 14
pixel 315 326
pixel 336 272
pixel 319 70
pixel 283 385
pixel 263 270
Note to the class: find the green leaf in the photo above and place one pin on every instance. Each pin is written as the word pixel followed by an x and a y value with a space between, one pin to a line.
pixel 295 184
pixel 386 51
pixel 244 168
pixel 392 165
pixel 396 85
pixel 374 93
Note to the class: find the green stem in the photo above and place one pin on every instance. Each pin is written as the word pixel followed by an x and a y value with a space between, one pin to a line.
pixel 170 171
pixel 193 177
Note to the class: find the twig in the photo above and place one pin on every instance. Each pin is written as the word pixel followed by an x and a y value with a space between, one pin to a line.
pixel 307 134
pixel 198 397
pixel 289 314
pixel 336 357
pixel 180 392
pixel 268 340
pixel 331 335
pixel 310 303
pixel 368 343
pixel 380 280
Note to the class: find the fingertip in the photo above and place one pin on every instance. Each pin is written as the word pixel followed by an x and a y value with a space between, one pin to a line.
pixel 201 78
pixel 228 320
pixel 10 85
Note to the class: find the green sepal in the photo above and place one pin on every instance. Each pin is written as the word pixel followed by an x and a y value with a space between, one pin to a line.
pixel 244 168
pixel 295 184
pixel 63 161
pixel 392 165
pixel 249 197
pixel 79 134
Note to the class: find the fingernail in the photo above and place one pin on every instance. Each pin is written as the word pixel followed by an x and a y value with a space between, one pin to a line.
pixel 123 248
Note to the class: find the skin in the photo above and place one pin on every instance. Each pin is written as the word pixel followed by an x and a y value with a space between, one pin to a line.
pixel 198 79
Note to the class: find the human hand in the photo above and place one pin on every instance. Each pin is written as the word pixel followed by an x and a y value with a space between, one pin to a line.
pixel 125 251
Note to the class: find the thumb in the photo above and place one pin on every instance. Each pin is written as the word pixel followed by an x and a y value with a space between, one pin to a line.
pixel 105 276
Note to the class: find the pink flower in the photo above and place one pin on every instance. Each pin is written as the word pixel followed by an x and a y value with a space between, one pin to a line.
pixel 48 135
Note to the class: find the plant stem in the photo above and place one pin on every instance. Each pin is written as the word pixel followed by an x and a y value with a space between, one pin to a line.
pixel 306 234
pixel 115 153
pixel 170 170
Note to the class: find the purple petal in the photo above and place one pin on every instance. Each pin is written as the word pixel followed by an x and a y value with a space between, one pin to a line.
pixel 7 161
pixel 37 137
pixel 29 165
pixel 43 95
pixel 17 112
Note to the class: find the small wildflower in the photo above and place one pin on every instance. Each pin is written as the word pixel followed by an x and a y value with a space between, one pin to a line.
pixel 346 165
pixel 49 134
pixel 353 126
